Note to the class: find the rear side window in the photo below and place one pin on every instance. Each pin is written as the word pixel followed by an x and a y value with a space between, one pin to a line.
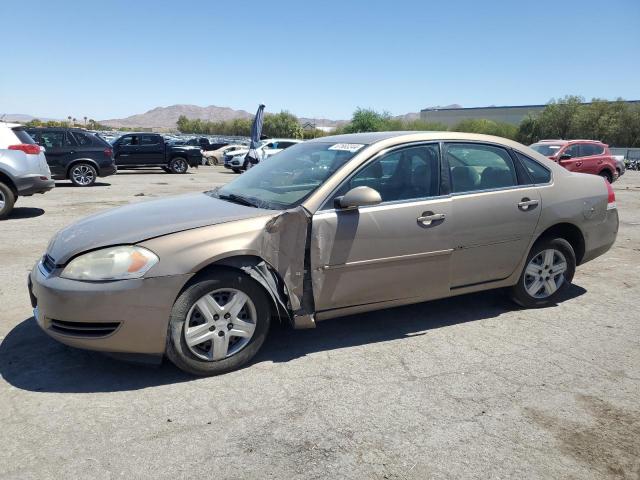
pixel 54 140
pixel 589 149
pixel 23 136
pixel 83 139
pixel 537 172
pixel 149 140
pixel 476 167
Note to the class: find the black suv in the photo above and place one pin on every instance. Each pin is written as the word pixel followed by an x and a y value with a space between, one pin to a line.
pixel 75 154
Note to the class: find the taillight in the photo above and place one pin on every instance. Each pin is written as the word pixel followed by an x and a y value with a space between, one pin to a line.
pixel 108 152
pixel 31 149
pixel 611 197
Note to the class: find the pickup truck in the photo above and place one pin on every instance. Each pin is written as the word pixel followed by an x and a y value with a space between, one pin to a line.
pixel 142 150
pixel 204 144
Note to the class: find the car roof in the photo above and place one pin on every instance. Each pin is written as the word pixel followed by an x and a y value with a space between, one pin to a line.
pixel 413 136
pixel 365 138
pixel 10 125
pixel 281 140
pixel 147 133
pixel 567 142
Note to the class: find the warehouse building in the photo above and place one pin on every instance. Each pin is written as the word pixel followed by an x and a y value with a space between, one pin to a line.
pixel 508 114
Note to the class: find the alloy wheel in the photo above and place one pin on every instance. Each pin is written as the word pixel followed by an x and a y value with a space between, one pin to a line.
pixel 179 165
pixel 544 274
pixel 83 175
pixel 2 201
pixel 220 324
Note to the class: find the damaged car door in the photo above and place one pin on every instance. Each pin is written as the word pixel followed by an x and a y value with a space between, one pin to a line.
pixel 397 249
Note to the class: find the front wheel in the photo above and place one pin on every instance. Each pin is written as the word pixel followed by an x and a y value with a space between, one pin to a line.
pixel 7 200
pixel 218 324
pixel 550 266
pixel 178 165
pixel 83 175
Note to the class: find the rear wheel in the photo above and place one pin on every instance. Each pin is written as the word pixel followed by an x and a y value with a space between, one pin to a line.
pixel 218 324
pixel 7 200
pixel 607 176
pixel 83 174
pixel 178 165
pixel 550 266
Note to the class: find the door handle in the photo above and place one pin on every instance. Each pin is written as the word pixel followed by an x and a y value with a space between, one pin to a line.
pixel 428 218
pixel 527 204
pixel 578 164
pixel 72 152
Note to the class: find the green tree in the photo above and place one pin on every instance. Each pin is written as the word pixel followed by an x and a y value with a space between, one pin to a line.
pixel 283 124
pixel 487 127
pixel 367 120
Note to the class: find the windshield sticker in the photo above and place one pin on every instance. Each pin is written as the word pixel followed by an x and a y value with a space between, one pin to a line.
pixel 347 147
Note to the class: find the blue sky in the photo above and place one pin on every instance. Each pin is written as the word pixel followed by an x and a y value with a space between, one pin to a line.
pixel 321 59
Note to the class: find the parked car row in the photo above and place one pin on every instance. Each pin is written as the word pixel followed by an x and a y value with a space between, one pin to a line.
pixel 82 157
pixel 236 160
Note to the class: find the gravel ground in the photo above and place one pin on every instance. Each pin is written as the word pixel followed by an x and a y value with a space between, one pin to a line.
pixel 469 387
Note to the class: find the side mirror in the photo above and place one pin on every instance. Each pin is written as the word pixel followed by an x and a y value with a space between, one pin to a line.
pixel 565 156
pixel 359 197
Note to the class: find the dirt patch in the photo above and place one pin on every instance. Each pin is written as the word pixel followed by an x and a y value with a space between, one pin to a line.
pixel 610 444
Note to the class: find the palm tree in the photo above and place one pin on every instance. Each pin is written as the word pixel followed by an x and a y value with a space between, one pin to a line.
pixel 69 118
pixel 74 120
pixel 85 121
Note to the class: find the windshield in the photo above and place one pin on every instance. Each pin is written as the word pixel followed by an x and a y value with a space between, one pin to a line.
pixel 286 179
pixel 546 149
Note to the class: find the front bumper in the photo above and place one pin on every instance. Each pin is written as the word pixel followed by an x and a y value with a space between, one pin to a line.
pixel 194 161
pixel 34 183
pixel 124 316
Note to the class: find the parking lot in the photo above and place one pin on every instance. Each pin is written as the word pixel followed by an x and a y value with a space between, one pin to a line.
pixel 468 387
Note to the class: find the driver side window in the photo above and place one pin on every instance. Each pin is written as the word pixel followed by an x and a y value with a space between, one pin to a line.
pixel 407 174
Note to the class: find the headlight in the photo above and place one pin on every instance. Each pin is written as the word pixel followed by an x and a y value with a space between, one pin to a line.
pixel 113 263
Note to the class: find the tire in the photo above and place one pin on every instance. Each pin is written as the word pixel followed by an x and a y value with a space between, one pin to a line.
pixel 82 174
pixel 236 170
pixel 7 200
pixel 521 292
pixel 199 358
pixel 606 175
pixel 178 165
pixel 211 161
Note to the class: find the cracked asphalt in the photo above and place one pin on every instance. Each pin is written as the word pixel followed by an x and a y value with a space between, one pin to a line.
pixel 469 387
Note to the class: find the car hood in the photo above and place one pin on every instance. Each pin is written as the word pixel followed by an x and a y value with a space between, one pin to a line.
pixel 140 221
pixel 235 153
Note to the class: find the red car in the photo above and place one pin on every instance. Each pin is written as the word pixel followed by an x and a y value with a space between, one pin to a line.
pixel 584 156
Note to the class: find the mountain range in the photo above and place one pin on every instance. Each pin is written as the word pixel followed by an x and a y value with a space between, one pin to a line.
pixel 165 118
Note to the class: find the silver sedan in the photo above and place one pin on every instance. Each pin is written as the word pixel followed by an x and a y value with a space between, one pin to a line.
pixel 329 227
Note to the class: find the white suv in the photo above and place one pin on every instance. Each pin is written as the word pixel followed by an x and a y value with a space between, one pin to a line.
pixel 23 167
pixel 236 160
